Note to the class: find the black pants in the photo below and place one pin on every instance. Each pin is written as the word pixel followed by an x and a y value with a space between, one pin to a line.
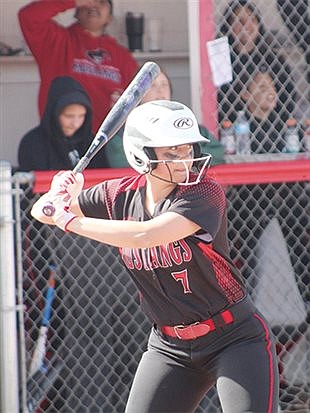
pixel 174 375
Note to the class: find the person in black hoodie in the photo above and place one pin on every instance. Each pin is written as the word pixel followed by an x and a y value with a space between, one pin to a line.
pixel 64 133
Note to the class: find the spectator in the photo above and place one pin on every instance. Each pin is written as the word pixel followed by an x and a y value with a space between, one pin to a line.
pixel 161 89
pixel 83 51
pixel 267 115
pixel 250 43
pixel 64 133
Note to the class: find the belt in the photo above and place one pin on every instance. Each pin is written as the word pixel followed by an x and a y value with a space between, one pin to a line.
pixel 198 329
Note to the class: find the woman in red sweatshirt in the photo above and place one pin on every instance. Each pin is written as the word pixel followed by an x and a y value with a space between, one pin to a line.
pixel 82 50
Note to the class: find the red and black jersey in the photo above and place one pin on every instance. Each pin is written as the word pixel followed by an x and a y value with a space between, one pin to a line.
pixel 190 279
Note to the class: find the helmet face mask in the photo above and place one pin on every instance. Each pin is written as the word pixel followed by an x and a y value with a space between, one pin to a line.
pixel 198 165
pixel 160 124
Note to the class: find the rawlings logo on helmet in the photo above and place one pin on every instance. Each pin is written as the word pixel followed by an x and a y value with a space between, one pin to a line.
pixel 183 123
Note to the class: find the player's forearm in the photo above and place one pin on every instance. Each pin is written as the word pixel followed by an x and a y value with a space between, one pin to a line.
pixel 37 210
pixel 112 232
pixel 133 234
pixel 115 233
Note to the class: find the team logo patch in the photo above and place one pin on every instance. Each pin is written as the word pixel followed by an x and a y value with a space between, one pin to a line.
pixel 183 123
pixel 98 56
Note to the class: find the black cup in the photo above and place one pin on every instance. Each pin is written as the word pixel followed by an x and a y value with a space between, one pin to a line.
pixel 135 30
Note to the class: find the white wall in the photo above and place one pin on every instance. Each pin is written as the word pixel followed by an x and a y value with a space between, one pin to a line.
pixel 9 29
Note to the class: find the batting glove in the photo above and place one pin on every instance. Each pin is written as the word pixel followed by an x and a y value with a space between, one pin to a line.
pixel 67 183
pixel 62 216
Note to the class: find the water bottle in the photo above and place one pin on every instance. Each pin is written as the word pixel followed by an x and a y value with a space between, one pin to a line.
pixel 242 134
pixel 306 137
pixel 291 137
pixel 227 137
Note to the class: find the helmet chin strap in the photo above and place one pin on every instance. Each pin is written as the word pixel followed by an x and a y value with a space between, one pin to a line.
pixel 170 173
pixel 201 172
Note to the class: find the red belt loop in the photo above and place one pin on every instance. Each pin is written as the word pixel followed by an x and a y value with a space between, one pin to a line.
pixel 227 317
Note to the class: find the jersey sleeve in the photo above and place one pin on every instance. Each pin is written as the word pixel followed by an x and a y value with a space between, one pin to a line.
pixel 93 202
pixel 42 33
pixel 204 204
pixel 100 200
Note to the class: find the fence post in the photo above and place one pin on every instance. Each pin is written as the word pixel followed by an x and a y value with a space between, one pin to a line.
pixel 9 394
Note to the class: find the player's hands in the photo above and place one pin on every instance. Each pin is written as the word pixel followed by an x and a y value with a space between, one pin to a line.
pixel 68 185
pixel 62 216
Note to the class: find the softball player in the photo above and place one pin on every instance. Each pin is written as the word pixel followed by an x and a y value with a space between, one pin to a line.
pixel 169 224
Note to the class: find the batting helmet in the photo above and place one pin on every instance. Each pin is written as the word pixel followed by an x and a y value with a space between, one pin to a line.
pixel 158 124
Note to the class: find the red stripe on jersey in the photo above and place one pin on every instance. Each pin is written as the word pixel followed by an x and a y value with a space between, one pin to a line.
pixel 230 286
pixel 271 373
pixel 115 187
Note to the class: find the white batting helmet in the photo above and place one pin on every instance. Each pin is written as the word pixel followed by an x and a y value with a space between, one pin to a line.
pixel 158 124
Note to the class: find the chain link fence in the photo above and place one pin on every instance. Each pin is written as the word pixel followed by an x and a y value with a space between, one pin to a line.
pixel 97 332
pixel 269 51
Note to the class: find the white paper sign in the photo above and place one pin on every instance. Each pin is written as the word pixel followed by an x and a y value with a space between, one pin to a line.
pixel 220 62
